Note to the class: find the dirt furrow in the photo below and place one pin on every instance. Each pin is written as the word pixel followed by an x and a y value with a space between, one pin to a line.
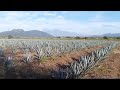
pixel 106 69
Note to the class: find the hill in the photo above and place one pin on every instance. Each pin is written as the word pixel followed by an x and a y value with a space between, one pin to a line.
pixel 22 33
pixel 61 33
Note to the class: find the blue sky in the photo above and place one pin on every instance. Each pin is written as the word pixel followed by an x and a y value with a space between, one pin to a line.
pixel 83 22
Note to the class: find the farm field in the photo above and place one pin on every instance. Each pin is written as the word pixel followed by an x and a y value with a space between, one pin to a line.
pixel 57 59
pixel 109 68
pixel 59 45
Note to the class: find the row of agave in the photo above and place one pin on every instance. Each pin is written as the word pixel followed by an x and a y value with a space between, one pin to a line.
pixel 46 48
pixel 6 60
pixel 76 68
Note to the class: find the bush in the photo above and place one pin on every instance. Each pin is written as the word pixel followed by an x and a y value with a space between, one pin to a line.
pixel 77 37
pixel 68 37
pixel 10 37
pixel 86 38
pixel 58 37
pixel 105 37
pixel 117 37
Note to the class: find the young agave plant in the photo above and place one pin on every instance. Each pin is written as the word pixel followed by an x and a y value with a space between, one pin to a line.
pixel 1 52
pixel 39 54
pixel 61 73
pixel 27 57
pixel 9 62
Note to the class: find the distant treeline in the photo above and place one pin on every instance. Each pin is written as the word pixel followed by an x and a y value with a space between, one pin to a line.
pixel 67 37
pixel 77 37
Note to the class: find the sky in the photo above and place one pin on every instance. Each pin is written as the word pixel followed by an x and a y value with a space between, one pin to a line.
pixel 82 22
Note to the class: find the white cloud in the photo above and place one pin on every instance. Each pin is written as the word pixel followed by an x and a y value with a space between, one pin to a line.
pixel 33 20
pixel 60 17
pixel 65 12
pixel 48 13
pixel 98 17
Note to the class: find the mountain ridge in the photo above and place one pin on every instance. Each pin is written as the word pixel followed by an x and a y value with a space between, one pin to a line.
pixel 108 35
pixel 61 33
pixel 22 33
pixel 50 33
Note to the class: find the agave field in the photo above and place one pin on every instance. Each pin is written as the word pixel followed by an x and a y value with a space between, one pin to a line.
pixel 74 69
pixel 35 50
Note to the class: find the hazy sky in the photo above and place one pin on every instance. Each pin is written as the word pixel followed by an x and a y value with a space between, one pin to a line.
pixel 83 22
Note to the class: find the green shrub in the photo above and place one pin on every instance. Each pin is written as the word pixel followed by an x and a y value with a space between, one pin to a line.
pixel 105 37
pixel 117 37
pixel 10 37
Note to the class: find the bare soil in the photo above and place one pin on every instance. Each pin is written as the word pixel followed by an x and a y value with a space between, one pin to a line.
pixel 33 70
pixel 65 59
pixel 106 69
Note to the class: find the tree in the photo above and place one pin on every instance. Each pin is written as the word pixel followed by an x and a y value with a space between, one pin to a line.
pixel 117 37
pixel 105 37
pixel 68 37
pixel 58 37
pixel 86 38
pixel 10 37
pixel 77 37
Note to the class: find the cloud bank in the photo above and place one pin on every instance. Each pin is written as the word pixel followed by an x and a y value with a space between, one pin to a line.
pixel 41 20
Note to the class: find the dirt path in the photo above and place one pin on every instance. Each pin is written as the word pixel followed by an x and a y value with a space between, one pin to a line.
pixel 106 69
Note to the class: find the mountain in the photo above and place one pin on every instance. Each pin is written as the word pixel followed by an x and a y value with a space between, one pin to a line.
pixel 96 36
pixel 22 33
pixel 112 35
pixel 108 35
pixel 60 33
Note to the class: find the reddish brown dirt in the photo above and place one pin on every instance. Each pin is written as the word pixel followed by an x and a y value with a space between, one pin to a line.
pixel 106 69
pixel 63 59
pixel 35 69
pixel 52 62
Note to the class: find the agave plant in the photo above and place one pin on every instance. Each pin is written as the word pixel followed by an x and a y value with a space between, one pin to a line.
pixel 1 52
pixel 9 62
pixel 74 69
pixel 47 48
